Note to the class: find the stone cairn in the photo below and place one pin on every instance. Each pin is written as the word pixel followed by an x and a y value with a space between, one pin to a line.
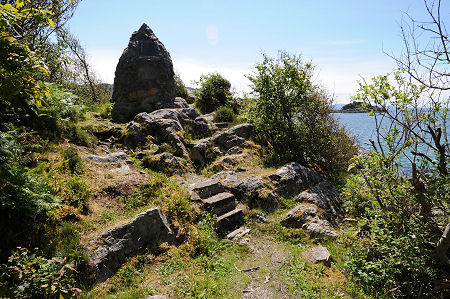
pixel 144 78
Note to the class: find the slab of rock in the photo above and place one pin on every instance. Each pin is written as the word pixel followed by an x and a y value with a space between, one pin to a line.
pixel 111 249
pixel 318 254
pixel 110 158
pixel 229 142
pixel 144 78
pixel 225 177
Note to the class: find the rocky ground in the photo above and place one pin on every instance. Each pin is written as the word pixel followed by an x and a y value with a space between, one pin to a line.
pixel 261 214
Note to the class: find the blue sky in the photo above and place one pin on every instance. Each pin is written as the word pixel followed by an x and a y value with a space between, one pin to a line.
pixel 345 40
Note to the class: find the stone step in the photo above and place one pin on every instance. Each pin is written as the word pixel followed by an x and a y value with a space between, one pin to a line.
pixel 206 189
pixel 220 203
pixel 229 221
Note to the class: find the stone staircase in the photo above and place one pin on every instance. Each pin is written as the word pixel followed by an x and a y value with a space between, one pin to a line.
pixel 214 199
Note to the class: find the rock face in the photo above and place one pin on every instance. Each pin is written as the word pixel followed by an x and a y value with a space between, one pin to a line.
pixel 115 245
pixel 144 77
pixel 293 178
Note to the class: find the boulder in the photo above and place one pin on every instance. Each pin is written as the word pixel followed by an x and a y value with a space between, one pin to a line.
pixel 166 163
pixel 254 191
pixel 109 158
pixel 110 250
pixel 308 217
pixel 293 178
pixel 324 196
pixel 318 254
pixel 144 78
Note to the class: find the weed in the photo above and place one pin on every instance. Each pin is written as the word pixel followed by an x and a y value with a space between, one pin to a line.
pixel 73 160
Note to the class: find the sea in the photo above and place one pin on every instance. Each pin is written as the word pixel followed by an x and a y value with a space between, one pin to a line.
pixel 362 126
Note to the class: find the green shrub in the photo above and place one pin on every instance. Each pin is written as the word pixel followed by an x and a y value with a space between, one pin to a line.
pixel 73 160
pixel 181 89
pixel 25 199
pixel 393 256
pixel 214 92
pixel 79 136
pixel 224 114
pixel 78 193
pixel 28 275
pixel 292 116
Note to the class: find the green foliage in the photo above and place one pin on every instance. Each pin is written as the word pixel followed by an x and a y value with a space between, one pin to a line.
pixel 73 160
pixel 214 92
pixel 79 136
pixel 224 114
pixel 181 89
pixel 28 275
pixel 166 147
pixel 78 193
pixel 292 116
pixel 393 256
pixel 25 199
pixel 207 242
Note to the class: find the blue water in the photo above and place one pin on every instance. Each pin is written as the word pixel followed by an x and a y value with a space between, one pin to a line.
pixel 360 125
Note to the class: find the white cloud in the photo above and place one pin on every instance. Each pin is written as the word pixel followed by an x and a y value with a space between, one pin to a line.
pixel 339 77
pixel 212 35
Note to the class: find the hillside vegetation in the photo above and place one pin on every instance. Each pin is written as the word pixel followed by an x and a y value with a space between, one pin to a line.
pixel 261 197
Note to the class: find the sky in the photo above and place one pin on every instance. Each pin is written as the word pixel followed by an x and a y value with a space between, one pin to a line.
pixel 345 40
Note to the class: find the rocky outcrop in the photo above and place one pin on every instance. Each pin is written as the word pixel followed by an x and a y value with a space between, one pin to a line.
pixel 165 125
pixel 256 193
pixel 324 196
pixel 229 142
pixel 144 78
pixel 264 191
pixel 110 250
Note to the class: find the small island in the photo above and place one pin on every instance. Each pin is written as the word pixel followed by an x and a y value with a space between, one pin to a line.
pixel 358 107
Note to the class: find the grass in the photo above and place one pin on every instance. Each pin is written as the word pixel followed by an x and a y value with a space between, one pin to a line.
pixel 205 266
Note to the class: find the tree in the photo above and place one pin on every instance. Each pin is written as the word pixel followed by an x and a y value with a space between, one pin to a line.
pixel 292 115
pixel 412 134
pixel 214 92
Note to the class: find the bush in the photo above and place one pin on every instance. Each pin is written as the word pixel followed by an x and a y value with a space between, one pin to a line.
pixel 224 114
pixel 393 256
pixel 25 199
pixel 214 92
pixel 28 275
pixel 73 160
pixel 181 89
pixel 292 116
pixel 79 136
